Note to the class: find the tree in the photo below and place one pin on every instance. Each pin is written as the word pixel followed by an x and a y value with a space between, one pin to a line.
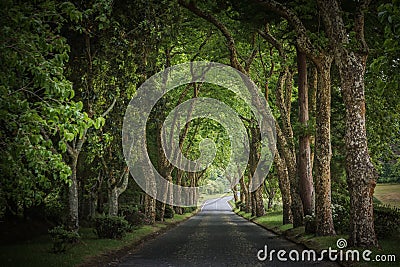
pixel 304 158
pixel 322 58
pixel 351 53
pixel 38 113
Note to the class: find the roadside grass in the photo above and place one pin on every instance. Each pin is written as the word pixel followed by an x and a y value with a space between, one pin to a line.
pixel 274 221
pixel 37 252
pixel 388 246
pixel 388 194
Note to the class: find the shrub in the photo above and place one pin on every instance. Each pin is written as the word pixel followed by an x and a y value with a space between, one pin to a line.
pixel 242 206
pixel 133 215
pixel 387 220
pixel 62 238
pixel 341 212
pixel 55 210
pixel 111 226
pixel 341 218
pixel 169 212
pixel 189 209
pixel 125 210
pixel 136 219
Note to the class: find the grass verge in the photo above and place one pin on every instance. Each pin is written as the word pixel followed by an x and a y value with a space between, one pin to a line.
pixel 273 221
pixel 388 194
pixel 91 251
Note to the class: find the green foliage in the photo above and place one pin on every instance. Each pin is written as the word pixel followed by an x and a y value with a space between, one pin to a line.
pixel 133 215
pixel 390 172
pixel 55 208
pixel 110 226
pixel 169 212
pixel 387 220
pixel 341 212
pixel 37 115
pixel 240 205
pixel 62 238
pixel 189 209
pixel 382 87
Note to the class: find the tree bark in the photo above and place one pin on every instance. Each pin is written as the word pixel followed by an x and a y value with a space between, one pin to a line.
pixel 235 196
pixel 116 190
pixel 73 199
pixel 258 203
pixel 323 210
pixel 304 158
pixel 179 174
pixel 361 174
pixel 321 58
pixel 296 204
pixel 284 186
pixel 150 209
pixel 244 194
pixel 149 201
pixel 285 142
pixel 313 85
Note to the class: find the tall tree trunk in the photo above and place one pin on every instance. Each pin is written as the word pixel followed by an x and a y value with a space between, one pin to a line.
pixel 149 201
pixel 165 196
pixel 296 204
pixel 304 158
pixel 313 85
pixel 94 196
pixel 323 210
pixel 361 174
pixel 73 200
pixel 116 190
pixel 235 196
pixel 244 193
pixel 150 209
pixel 320 58
pixel 113 202
pixel 270 195
pixel 179 174
pixel 284 186
pixel 286 147
pixel 249 198
pixel 257 208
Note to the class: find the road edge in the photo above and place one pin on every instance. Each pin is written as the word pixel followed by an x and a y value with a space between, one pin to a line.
pixel 285 235
pixel 113 257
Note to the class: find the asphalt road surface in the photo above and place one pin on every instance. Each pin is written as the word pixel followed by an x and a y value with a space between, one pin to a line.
pixel 215 237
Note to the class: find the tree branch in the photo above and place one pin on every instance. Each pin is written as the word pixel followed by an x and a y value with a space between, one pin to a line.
pixel 303 41
pixel 270 39
pixel 109 108
pixel 359 25
pixel 210 18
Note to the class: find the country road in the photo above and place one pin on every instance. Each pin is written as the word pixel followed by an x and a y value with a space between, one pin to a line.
pixel 214 237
